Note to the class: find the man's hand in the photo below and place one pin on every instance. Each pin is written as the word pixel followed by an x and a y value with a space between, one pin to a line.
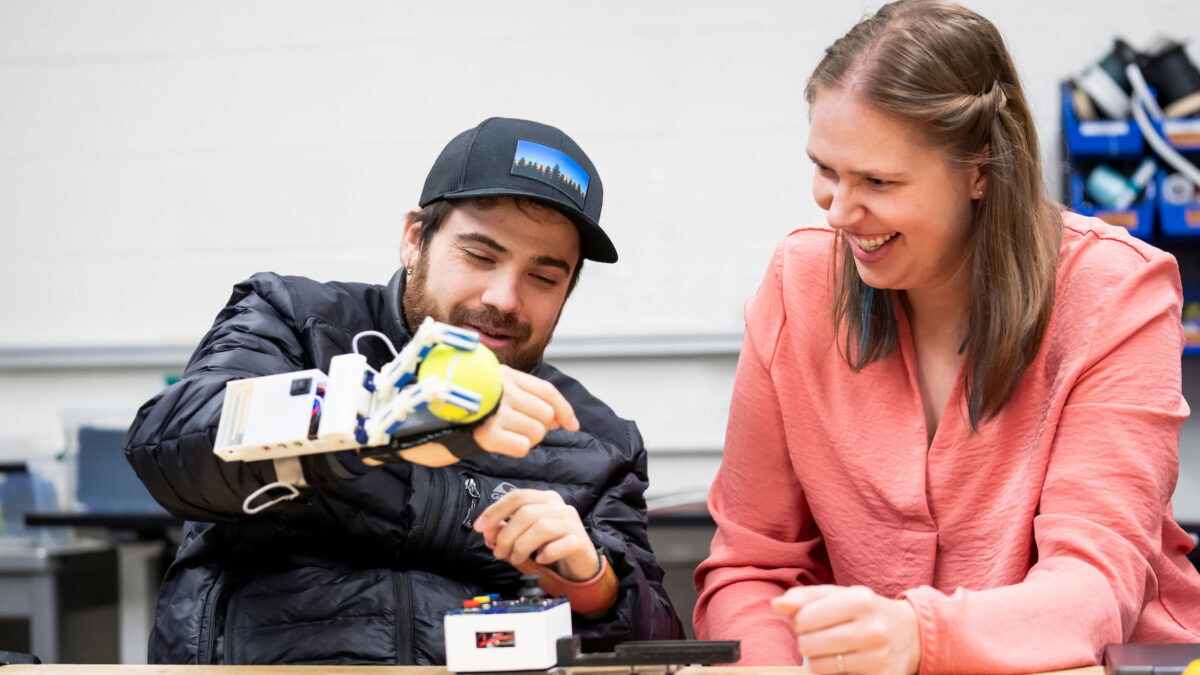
pixel 538 524
pixel 529 407
pixel 870 633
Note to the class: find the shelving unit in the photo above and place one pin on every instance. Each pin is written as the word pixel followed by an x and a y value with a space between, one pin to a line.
pixel 1181 220
pixel 1172 227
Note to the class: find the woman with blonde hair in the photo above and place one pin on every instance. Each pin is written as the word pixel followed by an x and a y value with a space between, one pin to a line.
pixel 954 431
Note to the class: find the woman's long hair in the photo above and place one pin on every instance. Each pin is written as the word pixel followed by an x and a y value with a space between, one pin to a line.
pixel 944 70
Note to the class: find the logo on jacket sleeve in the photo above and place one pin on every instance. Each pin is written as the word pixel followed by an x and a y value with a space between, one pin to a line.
pixel 501 490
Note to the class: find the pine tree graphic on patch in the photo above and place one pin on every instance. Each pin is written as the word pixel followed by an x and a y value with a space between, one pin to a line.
pixel 552 167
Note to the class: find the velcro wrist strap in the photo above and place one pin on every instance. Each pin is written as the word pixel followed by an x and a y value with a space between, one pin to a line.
pixel 462 444
pixel 459 439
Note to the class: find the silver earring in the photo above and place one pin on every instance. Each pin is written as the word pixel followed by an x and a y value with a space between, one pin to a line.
pixel 980 193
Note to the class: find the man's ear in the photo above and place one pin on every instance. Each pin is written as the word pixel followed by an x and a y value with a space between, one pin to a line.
pixel 410 244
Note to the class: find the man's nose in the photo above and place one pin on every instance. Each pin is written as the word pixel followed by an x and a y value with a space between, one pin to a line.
pixel 503 292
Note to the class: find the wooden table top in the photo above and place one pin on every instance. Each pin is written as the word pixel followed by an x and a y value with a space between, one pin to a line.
pixel 72 669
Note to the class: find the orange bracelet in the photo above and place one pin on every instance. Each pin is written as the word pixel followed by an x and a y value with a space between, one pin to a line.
pixel 590 598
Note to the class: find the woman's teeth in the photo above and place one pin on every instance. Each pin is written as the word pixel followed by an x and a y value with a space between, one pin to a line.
pixel 873 243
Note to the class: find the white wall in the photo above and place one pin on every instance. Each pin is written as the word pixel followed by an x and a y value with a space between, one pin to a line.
pixel 153 153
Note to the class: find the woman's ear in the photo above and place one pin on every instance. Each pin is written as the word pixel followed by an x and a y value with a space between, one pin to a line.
pixel 979 174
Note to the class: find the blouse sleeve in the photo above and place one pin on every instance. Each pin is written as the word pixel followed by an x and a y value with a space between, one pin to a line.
pixel 766 541
pixel 1098 529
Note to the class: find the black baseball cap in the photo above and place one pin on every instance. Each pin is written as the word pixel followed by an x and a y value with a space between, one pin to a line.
pixel 504 156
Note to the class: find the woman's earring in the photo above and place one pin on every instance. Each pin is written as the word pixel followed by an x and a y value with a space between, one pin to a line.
pixel 979 194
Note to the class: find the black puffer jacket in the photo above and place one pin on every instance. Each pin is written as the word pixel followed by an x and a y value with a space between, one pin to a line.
pixel 360 568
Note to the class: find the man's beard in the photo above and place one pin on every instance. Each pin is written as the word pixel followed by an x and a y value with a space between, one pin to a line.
pixel 419 303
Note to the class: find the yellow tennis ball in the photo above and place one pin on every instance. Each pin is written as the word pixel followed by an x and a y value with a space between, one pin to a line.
pixel 476 370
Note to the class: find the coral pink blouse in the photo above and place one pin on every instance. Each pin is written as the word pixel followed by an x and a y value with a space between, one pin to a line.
pixel 1028 546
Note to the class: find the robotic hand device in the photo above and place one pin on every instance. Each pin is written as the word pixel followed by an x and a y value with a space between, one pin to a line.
pixel 355 406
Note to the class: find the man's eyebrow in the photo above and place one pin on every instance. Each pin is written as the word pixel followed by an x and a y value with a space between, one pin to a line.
pixel 550 261
pixel 540 260
pixel 480 238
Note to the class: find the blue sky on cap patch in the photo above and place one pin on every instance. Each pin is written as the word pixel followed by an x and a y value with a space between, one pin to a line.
pixel 551 166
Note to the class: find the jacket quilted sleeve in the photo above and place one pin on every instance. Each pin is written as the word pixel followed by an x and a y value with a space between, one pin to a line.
pixel 259 332
pixel 171 440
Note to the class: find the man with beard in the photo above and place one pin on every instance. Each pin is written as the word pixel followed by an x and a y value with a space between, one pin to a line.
pixel 360 566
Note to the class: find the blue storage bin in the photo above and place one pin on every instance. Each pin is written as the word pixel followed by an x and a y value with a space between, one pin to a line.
pixel 1182 133
pixel 1178 220
pixel 1138 219
pixel 1108 138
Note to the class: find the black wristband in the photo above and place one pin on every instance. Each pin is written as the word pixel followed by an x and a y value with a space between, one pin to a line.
pixel 462 444
pixel 459 439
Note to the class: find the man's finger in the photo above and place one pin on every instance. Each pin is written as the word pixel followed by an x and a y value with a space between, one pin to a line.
pixel 526 403
pixel 501 441
pixel 513 421
pixel 535 534
pixel 503 508
pixel 542 389
pixel 533 430
pixel 513 527
pixel 551 552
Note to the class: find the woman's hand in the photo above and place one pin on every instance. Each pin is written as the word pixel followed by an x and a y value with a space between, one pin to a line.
pixel 537 524
pixel 852 630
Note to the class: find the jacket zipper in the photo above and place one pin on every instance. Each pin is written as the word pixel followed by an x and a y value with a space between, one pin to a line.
pixel 207 637
pixel 402 585
pixel 227 653
pixel 472 489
